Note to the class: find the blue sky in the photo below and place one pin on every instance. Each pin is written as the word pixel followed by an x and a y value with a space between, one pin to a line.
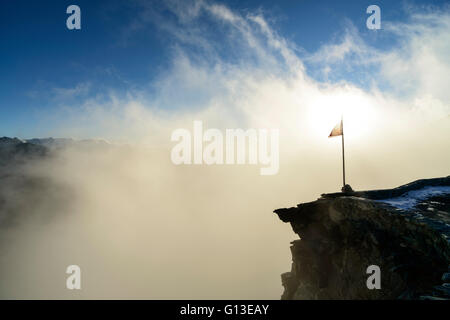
pixel 123 48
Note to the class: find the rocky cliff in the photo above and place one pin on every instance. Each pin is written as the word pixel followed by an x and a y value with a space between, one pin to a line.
pixel 404 231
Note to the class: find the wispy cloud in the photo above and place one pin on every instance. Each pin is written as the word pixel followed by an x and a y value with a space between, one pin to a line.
pixel 416 65
pixel 78 91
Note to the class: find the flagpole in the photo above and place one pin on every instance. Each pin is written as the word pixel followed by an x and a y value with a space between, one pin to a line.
pixel 343 158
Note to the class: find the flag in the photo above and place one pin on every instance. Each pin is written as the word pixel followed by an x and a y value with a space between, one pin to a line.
pixel 337 130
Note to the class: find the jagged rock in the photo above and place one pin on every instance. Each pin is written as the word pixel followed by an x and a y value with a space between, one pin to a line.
pixel 341 235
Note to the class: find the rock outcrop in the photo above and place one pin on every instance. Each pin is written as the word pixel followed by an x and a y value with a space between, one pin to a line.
pixel 404 231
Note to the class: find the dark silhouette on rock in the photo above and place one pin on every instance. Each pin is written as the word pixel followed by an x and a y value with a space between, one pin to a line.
pixel 405 231
pixel 347 189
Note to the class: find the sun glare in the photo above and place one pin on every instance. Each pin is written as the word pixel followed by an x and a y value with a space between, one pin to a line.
pixel 356 109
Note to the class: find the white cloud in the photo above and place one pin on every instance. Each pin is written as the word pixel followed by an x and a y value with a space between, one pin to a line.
pixel 268 85
pixel 421 64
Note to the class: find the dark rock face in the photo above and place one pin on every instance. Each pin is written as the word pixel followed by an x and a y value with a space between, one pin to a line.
pixel 342 235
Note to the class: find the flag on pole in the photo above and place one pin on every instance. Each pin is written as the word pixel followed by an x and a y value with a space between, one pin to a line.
pixel 337 130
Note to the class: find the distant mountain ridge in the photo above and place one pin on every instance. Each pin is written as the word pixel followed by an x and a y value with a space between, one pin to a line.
pixel 13 150
pixel 64 142
pixel 18 150
pixel 51 142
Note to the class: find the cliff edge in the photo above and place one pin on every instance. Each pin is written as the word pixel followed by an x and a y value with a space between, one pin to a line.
pixel 404 231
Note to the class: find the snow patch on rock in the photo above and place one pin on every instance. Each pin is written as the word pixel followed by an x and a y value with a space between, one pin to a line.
pixel 410 199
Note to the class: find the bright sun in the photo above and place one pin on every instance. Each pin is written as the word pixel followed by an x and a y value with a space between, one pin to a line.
pixel 326 110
